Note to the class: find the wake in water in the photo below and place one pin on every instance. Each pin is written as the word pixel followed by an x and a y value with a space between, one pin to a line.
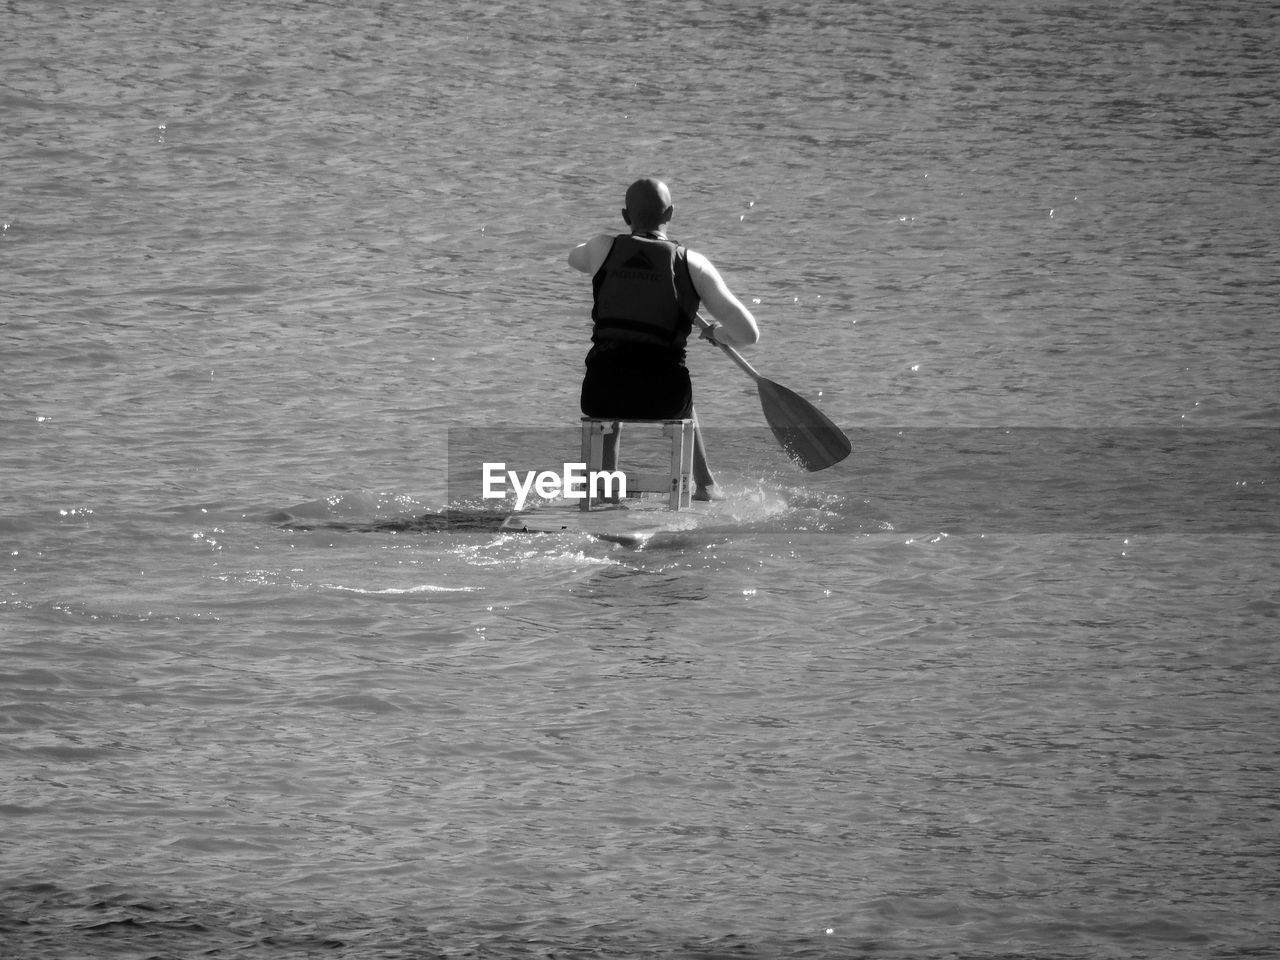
pixel 363 512
pixel 469 521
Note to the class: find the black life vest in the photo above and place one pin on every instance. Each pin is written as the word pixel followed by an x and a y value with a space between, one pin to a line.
pixel 644 294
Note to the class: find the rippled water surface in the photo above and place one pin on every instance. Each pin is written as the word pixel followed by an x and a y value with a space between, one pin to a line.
pixel 1002 684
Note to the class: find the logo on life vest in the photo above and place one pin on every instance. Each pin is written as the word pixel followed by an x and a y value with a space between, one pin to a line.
pixel 638 261
pixel 637 267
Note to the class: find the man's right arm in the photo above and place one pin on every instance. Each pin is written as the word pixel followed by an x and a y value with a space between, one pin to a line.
pixel 737 326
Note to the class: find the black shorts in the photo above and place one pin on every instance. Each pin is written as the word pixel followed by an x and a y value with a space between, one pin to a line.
pixel 633 383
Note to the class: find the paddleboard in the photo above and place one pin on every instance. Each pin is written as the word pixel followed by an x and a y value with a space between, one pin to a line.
pixel 634 524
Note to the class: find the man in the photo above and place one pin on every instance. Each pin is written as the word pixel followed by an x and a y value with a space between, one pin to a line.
pixel 647 290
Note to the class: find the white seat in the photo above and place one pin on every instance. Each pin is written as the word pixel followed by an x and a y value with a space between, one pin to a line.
pixel 676 481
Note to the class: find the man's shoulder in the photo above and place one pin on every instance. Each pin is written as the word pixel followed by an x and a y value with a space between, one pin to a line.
pixel 601 244
pixel 588 256
pixel 698 263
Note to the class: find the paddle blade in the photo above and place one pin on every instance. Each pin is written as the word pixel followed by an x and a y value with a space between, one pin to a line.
pixel 804 431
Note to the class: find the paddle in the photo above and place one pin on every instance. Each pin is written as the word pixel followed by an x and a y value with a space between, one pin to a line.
pixel 804 431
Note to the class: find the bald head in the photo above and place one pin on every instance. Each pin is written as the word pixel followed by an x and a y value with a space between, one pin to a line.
pixel 648 204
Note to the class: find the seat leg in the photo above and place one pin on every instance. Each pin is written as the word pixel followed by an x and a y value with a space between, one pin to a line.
pixel 592 454
pixel 689 437
pixel 680 470
pixel 597 435
pixel 672 430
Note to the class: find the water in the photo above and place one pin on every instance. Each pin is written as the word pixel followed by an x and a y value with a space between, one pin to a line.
pixel 1002 684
